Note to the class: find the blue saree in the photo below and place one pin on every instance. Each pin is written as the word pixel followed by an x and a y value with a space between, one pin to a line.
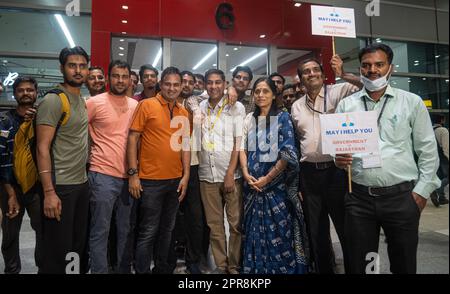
pixel 274 240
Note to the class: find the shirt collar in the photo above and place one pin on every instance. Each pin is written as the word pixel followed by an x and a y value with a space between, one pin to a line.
pixel 163 101
pixel 389 93
pixel 321 94
pixel 221 102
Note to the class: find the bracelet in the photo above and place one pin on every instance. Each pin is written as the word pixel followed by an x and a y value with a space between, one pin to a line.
pixel 45 171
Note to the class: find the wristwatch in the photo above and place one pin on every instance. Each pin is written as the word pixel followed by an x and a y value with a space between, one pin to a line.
pixel 132 171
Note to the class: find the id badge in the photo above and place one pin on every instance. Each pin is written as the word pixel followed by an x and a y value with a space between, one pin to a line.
pixel 372 160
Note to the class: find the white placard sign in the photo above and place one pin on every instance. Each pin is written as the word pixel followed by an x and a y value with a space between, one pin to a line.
pixel 349 133
pixel 333 21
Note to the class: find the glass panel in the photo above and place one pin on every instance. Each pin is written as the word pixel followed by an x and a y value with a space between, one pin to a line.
pixel 288 61
pixel 253 57
pixel 26 31
pixel 348 49
pixel 442 59
pixel 194 57
pixel 45 71
pixel 137 52
pixel 426 88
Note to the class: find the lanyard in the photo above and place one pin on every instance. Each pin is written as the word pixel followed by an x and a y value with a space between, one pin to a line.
pixel 382 109
pixel 212 125
pixel 324 103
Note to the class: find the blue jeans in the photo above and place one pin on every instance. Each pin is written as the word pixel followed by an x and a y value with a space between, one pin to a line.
pixel 157 210
pixel 109 194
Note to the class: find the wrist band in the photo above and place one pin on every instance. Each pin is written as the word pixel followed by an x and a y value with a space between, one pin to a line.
pixel 45 171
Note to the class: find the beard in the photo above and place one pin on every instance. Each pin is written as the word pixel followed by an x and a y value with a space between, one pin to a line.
pixel 117 92
pixel 72 83
pixel 29 102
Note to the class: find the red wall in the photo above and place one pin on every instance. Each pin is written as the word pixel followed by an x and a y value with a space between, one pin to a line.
pixel 284 25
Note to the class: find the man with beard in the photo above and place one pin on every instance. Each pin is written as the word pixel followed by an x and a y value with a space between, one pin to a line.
pixel 199 87
pixel 96 82
pixel 62 151
pixel 109 116
pixel 149 80
pixel 15 202
pixel 289 97
pixel 279 82
pixel 242 77
pixel 322 185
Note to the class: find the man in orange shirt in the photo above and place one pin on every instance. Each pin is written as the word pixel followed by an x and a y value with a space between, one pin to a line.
pixel 159 185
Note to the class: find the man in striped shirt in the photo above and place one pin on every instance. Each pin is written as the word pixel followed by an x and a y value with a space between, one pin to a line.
pixel 14 201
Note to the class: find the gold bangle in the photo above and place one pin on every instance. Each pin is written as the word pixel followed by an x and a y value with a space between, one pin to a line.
pixel 45 171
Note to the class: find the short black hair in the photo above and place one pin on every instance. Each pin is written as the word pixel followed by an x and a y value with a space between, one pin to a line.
pixel 97 68
pixel 133 73
pixel 171 70
pixel 21 80
pixel 374 48
pixel 66 52
pixel 305 61
pixel 289 86
pixel 214 71
pixel 186 72
pixel 147 67
pixel 119 64
pixel 437 118
pixel 275 74
pixel 244 69
pixel 200 77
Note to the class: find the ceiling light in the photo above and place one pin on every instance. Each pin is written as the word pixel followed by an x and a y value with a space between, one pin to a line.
pixel 121 54
pixel 207 56
pixel 64 28
pixel 378 40
pixel 214 65
pixel 124 21
pixel 124 33
pixel 416 61
pixel 122 40
pixel 262 36
pixel 298 4
pixel 397 66
pixel 424 79
pixel 437 56
pixel 409 81
pixel 227 55
pixel 125 7
pixel 157 58
pixel 446 81
pixel 235 48
pixel 250 59
pixel 121 48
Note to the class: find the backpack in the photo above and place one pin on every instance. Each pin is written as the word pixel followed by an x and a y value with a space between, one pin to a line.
pixel 24 162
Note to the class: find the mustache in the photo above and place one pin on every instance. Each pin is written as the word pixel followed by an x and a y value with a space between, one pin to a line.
pixel 78 76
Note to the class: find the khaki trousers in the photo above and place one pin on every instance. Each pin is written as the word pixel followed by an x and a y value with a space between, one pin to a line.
pixel 214 201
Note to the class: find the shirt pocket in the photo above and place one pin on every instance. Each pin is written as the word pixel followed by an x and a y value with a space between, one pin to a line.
pixel 396 128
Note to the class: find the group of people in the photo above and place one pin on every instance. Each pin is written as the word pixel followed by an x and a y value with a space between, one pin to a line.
pixel 116 167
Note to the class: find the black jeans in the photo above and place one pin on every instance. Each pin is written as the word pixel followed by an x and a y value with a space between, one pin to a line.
pixel 70 234
pixel 192 220
pixel 156 209
pixel 11 229
pixel 398 215
pixel 323 193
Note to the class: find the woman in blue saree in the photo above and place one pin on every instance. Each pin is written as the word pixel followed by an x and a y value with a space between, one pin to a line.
pixel 274 233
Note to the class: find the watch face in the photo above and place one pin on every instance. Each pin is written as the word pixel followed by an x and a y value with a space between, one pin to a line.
pixel 132 171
